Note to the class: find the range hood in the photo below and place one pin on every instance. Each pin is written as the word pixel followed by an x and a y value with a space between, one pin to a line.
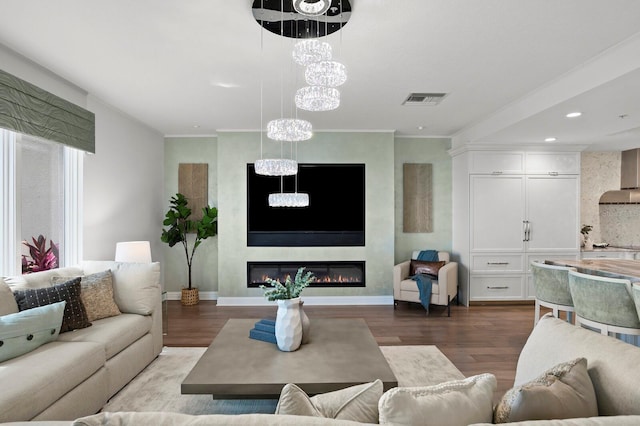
pixel 629 192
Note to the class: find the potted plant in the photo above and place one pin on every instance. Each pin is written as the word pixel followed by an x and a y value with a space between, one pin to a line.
pixel 292 324
pixel 42 258
pixel 179 226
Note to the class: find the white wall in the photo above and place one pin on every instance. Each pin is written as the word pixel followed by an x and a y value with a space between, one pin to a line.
pixel 123 198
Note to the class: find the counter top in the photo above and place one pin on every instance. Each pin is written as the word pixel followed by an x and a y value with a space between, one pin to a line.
pixel 616 268
pixel 612 249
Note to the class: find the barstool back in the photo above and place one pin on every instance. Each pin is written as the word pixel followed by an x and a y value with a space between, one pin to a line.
pixel 551 284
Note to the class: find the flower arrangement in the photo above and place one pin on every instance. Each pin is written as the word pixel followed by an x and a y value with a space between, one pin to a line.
pixel 42 258
pixel 585 230
pixel 290 289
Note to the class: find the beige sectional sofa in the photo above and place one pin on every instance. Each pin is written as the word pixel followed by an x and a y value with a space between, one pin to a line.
pixel 76 374
pixel 612 368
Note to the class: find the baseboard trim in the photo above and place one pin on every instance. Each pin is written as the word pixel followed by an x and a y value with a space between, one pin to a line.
pixel 204 295
pixel 310 300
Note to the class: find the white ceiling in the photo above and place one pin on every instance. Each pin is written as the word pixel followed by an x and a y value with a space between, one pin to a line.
pixel 512 69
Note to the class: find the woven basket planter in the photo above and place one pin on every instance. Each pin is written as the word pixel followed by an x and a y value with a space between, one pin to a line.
pixel 190 296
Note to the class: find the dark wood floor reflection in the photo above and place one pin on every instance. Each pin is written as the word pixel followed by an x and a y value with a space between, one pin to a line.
pixel 476 339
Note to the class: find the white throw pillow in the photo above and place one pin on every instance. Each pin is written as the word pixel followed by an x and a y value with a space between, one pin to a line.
pixel 8 303
pixel 357 403
pixel 458 402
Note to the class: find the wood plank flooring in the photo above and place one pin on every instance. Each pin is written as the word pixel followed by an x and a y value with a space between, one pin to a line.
pixel 477 339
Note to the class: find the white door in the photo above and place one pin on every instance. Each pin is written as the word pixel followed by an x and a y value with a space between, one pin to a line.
pixel 497 213
pixel 552 212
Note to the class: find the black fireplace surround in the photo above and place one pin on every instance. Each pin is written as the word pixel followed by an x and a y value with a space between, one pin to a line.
pixel 327 273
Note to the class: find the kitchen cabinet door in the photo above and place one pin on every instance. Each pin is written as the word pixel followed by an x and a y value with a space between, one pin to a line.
pixel 497 213
pixel 552 213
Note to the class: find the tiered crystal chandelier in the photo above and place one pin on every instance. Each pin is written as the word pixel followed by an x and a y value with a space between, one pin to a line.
pixel 317 98
pixel 308 51
pixel 276 167
pixel 289 129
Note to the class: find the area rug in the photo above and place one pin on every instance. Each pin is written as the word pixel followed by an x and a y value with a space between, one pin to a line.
pixel 157 387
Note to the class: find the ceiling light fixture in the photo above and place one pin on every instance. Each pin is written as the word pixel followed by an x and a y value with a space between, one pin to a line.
pixel 311 7
pixel 288 199
pixel 551 139
pixel 289 130
pixel 276 167
pixel 325 73
pixel 308 51
pixel 317 98
pixel 573 114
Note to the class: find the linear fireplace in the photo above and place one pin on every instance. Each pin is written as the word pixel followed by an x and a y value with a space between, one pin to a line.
pixel 327 273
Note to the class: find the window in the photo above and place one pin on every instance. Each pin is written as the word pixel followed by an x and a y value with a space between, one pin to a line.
pixel 41 182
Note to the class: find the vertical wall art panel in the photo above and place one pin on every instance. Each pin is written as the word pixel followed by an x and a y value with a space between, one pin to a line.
pixel 417 198
pixel 193 184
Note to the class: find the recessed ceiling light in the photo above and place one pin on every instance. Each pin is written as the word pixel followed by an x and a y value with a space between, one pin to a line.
pixel 551 139
pixel 420 127
pixel 196 126
pixel 573 114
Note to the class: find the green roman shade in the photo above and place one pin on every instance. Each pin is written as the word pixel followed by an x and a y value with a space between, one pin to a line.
pixel 26 108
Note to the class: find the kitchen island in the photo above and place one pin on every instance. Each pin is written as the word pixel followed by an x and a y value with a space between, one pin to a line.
pixel 615 268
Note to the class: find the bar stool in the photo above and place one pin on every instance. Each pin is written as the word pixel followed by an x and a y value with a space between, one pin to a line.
pixel 604 303
pixel 636 296
pixel 551 284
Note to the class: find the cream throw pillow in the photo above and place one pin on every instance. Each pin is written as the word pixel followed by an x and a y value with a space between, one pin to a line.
pixel 8 303
pixel 563 392
pixel 97 295
pixel 357 403
pixel 458 402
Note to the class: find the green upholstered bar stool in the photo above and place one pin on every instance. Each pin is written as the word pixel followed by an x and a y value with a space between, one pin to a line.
pixel 604 303
pixel 551 284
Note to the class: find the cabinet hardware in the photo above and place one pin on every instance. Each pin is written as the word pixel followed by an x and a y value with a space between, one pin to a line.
pixel 497 263
pixel 526 229
pixel 496 173
pixel 553 173
pixel 497 287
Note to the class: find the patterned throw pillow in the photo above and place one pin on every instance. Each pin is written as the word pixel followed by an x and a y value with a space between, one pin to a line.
pixel 563 392
pixel 97 294
pixel 75 315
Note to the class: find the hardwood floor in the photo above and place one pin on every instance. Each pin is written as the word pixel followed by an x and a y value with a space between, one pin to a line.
pixel 477 339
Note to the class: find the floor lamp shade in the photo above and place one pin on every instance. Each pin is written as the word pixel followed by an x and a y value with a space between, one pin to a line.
pixel 133 251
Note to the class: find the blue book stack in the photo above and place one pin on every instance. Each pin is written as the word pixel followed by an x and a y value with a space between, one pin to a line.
pixel 264 330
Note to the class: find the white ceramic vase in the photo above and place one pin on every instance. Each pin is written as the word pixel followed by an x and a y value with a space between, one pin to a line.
pixel 288 325
pixel 306 324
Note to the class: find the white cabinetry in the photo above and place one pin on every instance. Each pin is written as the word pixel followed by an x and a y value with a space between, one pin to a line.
pixel 522 206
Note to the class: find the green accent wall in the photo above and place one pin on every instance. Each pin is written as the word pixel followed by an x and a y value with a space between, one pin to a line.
pixel 205 262
pixel 424 150
pixel 220 263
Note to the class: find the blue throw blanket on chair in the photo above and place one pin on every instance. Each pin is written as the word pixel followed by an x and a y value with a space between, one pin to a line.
pixel 424 281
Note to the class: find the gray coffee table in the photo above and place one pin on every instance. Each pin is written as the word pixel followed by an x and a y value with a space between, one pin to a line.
pixel 341 353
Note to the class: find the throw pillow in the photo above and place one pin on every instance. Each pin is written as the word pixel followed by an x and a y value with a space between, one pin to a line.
pixel 25 331
pixel 96 294
pixel 458 402
pixel 75 315
pixel 8 303
pixel 563 392
pixel 357 403
pixel 424 267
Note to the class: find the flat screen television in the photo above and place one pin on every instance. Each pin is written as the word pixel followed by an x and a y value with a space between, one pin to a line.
pixel 335 215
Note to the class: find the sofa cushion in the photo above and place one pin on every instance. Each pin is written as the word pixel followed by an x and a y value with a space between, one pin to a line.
pixel 410 285
pixel 25 331
pixel 42 376
pixel 174 419
pixel 114 333
pixel 75 315
pixel 613 364
pixel 136 286
pixel 562 392
pixel 8 303
pixel 358 403
pixel 457 402
pixel 42 278
pixel 96 295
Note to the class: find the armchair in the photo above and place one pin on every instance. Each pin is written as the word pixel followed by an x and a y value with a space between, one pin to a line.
pixel 444 289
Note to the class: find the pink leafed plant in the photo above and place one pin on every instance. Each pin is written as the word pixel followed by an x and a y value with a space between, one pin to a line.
pixel 42 258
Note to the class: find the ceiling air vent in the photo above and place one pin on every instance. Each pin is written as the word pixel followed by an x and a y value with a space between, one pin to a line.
pixel 424 99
